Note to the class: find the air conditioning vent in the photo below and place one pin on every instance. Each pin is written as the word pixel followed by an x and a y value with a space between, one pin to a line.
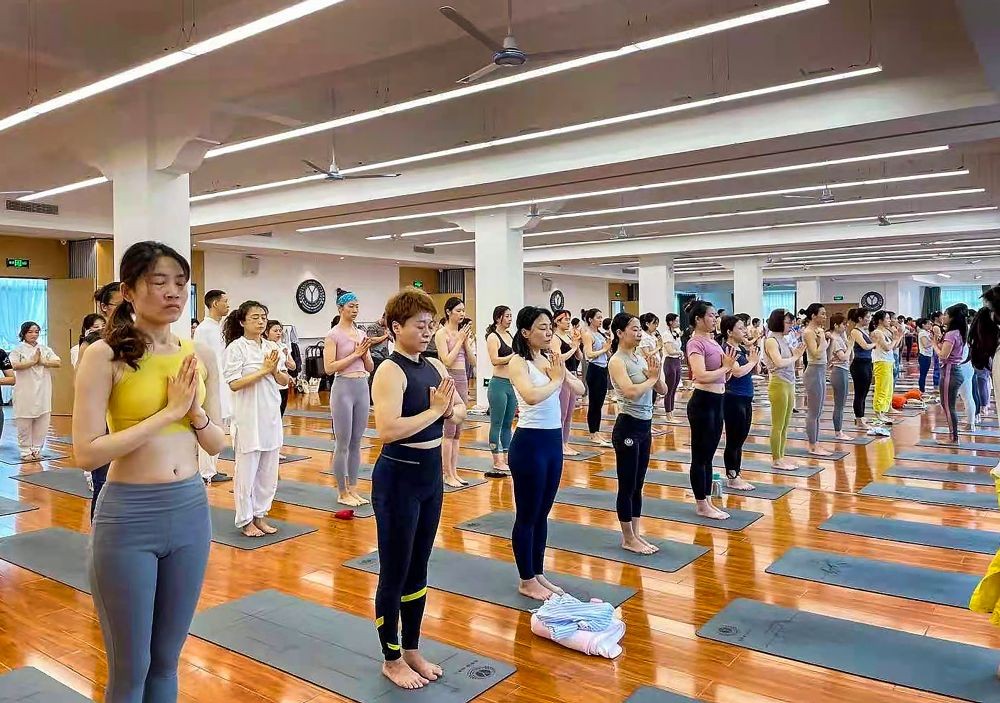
pixel 33 208
pixel 423 250
pixel 263 234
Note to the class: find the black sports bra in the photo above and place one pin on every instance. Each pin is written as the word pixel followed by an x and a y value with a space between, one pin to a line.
pixel 421 376
pixel 572 363
pixel 504 348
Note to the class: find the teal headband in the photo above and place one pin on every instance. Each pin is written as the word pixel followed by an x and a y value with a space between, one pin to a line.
pixel 346 298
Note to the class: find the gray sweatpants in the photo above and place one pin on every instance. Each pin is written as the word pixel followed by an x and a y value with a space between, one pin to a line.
pixel 838 379
pixel 349 407
pixel 148 550
pixel 814 384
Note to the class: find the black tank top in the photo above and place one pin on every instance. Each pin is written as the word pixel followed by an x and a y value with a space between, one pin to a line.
pixel 572 363
pixel 504 348
pixel 421 376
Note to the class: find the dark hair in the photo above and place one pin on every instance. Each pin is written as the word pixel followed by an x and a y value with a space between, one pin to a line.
pixel 900 318
pixel 696 309
pixel 407 303
pixel 575 321
pixel 272 323
pixel 645 320
pixel 755 321
pixel 606 324
pixel 449 305
pixel 335 321
pixel 88 322
pixel 877 319
pixel 589 315
pixel 26 327
pixel 802 311
pixel 127 342
pixel 670 317
pixel 526 317
pixel 958 319
pixel 560 313
pixel 498 312
pixel 106 292
pixel 618 324
pixel 992 300
pixel 813 310
pixel 213 295
pixel 727 324
pixel 984 338
pixel 856 315
pixel 776 320
pixel 232 327
pixel 837 318
pixel 743 316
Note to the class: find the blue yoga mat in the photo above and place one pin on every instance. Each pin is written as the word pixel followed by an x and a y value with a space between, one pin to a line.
pixel 933 496
pixel 948 458
pixel 969 478
pixel 648 694
pixel 909 532
pixel 679 479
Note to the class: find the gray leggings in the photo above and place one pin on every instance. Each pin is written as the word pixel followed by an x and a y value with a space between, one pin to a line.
pixel 349 406
pixel 814 384
pixel 148 550
pixel 838 379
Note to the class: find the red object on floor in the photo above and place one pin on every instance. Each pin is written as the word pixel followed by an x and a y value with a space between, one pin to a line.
pixel 914 394
pixel 344 514
pixel 898 401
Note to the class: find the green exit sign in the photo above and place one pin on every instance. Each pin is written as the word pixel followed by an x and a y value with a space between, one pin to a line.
pixel 17 263
pixel 618 294
pixel 418 284
pixel 838 298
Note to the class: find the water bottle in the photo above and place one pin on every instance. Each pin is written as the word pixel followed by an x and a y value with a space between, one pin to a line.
pixel 716 485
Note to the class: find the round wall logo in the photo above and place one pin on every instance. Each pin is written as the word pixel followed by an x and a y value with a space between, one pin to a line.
pixel 872 301
pixel 310 296
pixel 557 301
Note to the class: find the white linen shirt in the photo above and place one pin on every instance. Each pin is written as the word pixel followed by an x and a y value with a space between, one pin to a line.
pixel 33 387
pixel 256 418
pixel 209 334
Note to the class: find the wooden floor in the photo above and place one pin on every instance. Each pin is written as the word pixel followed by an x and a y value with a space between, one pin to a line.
pixel 54 628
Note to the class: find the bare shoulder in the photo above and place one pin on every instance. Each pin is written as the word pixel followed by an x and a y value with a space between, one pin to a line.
pixel 99 351
pixel 436 363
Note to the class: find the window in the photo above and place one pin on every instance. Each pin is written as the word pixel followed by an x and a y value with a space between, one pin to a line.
pixel 952 295
pixel 774 299
pixel 23 299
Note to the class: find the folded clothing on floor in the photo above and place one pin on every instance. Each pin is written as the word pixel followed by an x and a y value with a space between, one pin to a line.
pixel 592 628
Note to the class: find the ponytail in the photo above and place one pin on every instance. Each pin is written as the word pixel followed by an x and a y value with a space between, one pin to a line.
pixel 498 312
pixel 618 324
pixel 127 342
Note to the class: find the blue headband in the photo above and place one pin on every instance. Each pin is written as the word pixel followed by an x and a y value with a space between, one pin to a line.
pixel 346 298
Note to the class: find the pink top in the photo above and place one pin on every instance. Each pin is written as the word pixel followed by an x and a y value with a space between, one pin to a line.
pixel 345 347
pixel 708 348
pixel 459 362
pixel 957 355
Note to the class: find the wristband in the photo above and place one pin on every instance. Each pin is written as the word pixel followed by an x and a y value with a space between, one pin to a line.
pixel 208 421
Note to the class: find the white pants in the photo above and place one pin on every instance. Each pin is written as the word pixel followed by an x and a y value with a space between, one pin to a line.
pixel 31 432
pixel 965 393
pixel 255 484
pixel 208 464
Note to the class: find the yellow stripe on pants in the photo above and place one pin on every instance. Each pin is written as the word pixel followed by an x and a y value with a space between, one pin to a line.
pixel 883 386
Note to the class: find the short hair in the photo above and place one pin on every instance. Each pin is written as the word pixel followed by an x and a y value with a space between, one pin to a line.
pixel 837 318
pixel 670 317
pixel 776 320
pixel 213 295
pixel 755 321
pixel 407 303
pixel 104 293
pixel 26 327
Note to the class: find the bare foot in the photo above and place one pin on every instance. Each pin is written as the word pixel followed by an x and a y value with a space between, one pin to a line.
pixel 568 451
pixel 820 452
pixel 637 545
pixel 416 661
pixel 360 498
pixel 453 482
pixel 264 527
pixel 532 589
pixel 706 509
pixel 948 442
pixel 251 530
pixel 348 500
pixel 738 484
pixel 549 585
pixel 647 543
pixel 842 436
pixel 400 673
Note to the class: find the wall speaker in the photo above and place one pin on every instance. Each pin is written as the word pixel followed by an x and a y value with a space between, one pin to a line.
pixel 251 265
pixel 546 285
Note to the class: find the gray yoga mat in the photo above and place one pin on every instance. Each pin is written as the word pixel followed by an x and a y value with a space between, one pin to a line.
pixel 312 495
pixel 227 454
pixel 337 651
pixel 860 441
pixel 962 445
pixel 890 579
pixel 369 433
pixel 992 433
pixel 648 694
pixel 909 532
pixel 594 542
pixel 29 685
pixel 657 420
pixel 317 443
pixel 54 552
pixel 675 510
pixel 798 452
pixel 679 479
pixel 969 478
pixel 61 439
pixel 932 496
pixel 224 531
pixel 495 581
pixel 947 458
pixel 9 506
pixel 583 455
pixel 752 465
pixel 317 414
pixel 365 474
pixel 900 658
pixel 69 481
pixel 10 454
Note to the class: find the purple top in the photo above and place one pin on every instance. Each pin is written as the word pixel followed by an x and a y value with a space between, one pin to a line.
pixel 345 347
pixel 708 348
pixel 459 362
pixel 957 355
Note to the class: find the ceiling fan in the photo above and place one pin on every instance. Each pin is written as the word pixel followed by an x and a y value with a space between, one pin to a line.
pixel 333 172
pixel 884 221
pixel 825 196
pixel 506 54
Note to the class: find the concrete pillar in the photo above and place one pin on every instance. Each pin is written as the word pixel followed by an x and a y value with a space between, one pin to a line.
pixel 748 286
pixel 807 291
pixel 656 285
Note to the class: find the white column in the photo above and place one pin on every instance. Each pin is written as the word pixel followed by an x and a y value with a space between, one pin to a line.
pixel 656 285
pixel 807 291
pixel 748 286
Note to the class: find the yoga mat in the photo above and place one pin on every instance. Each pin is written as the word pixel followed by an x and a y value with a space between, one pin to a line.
pixel 312 495
pixel 69 481
pixel 798 452
pixel 648 694
pixel 61 439
pixel 753 465
pixel 317 443
pixel 887 578
pixel 908 532
pixel 227 454
pixel 10 454
pixel 369 432
pixel 317 414
pixel 495 581
pixel 54 552
pixel 970 478
pixel 29 685
pixel 899 658
pixel 947 458
pixel 10 507
pixel 680 479
pixel 365 474
pixel 593 541
pixel 480 446
pixel 224 531
pixel 972 433
pixel 656 420
pixel 337 651
pixel 675 510
pixel 965 446
pixel 933 496
pixel 861 441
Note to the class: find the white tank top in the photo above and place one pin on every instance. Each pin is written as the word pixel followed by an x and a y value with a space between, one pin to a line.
pixel 546 415
pixel 879 354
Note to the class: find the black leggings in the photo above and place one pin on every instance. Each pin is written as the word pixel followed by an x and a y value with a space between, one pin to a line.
pixel 597 385
pixel 737 412
pixel 631 438
pixel 283 392
pixel 704 411
pixel 861 374
pixel 536 461
pixel 407 490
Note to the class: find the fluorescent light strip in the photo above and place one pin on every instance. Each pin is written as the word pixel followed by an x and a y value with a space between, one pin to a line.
pixel 569 129
pixel 737 213
pixel 631 189
pixel 884 255
pixel 219 41
pixel 79 185
pixel 944 275
pixel 407 234
pixel 560 67
pixel 445 244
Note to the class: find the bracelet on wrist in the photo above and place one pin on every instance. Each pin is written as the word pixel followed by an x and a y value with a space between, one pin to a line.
pixel 208 421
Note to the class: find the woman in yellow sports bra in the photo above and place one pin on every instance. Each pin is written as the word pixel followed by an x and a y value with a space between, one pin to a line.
pixel 151 532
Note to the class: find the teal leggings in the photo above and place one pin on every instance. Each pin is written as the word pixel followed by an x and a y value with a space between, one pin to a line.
pixel 503 405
